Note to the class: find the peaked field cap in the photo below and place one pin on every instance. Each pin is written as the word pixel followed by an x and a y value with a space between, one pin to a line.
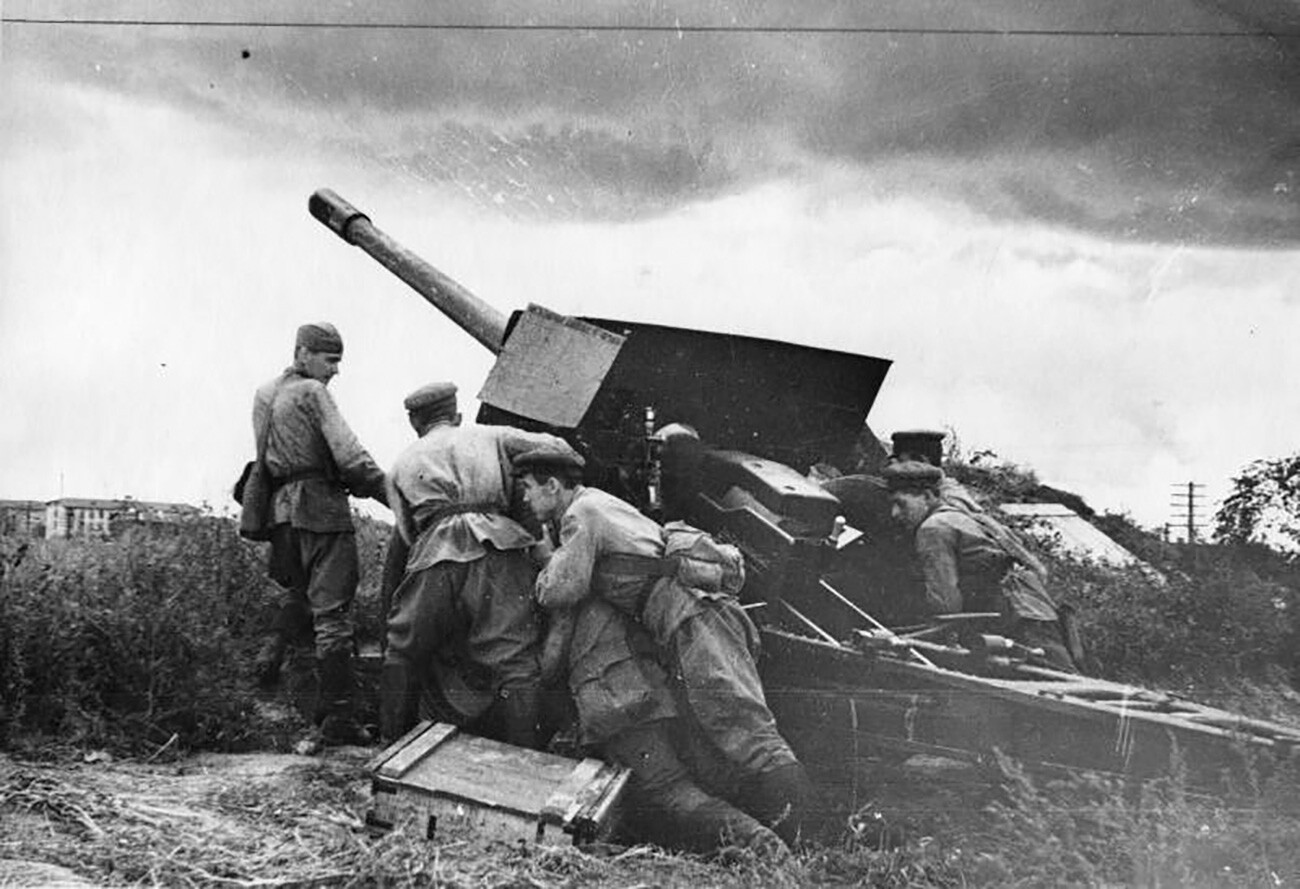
pixel 918 435
pixel 319 337
pixel 926 443
pixel 910 475
pixel 433 395
pixel 559 455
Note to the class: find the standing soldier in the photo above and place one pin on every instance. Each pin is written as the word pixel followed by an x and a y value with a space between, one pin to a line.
pixel 610 551
pixel 972 563
pixel 315 461
pixel 464 636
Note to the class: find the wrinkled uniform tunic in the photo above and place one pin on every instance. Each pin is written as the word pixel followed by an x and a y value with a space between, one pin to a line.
pixel 465 603
pixel 708 640
pixel 309 435
pixel 614 675
pixel 966 568
pixel 313 548
pixel 972 563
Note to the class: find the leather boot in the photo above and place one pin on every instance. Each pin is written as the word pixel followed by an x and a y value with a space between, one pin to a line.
pixel 779 799
pixel 334 707
pixel 705 824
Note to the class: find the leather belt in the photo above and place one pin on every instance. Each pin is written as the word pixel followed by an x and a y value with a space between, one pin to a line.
pixel 299 476
pixel 642 566
pixel 427 518
pixel 652 568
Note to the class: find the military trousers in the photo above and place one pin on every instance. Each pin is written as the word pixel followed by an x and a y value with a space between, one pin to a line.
pixel 467 634
pixel 713 658
pixel 322 569
pixel 668 806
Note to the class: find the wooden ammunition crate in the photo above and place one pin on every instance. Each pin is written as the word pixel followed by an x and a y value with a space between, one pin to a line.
pixel 438 779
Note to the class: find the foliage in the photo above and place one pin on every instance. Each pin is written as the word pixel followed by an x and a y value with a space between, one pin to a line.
pixel 994 478
pixel 136 642
pixel 372 546
pixel 1196 612
pixel 1220 620
pixel 1264 505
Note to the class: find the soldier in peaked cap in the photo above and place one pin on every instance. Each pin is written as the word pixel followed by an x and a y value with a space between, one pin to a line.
pixel 971 562
pixel 926 445
pixel 315 462
pixel 463 635
pixel 608 551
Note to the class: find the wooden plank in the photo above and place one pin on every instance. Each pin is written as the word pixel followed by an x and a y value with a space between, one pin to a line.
pixel 494 788
pixel 565 800
pixel 600 811
pixel 491 772
pixel 417 749
pixel 388 752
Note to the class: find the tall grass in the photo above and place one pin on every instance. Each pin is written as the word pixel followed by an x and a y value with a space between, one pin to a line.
pixel 132 643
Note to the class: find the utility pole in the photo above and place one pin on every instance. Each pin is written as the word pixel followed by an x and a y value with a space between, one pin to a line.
pixel 1186 506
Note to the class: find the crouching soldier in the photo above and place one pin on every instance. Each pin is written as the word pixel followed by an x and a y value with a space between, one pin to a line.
pixel 627 715
pixel 682 592
pixel 972 563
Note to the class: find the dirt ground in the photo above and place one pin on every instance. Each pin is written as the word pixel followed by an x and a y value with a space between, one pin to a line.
pixel 267 819
pixel 79 818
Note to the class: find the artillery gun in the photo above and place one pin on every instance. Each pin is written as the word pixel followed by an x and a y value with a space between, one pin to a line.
pixel 719 430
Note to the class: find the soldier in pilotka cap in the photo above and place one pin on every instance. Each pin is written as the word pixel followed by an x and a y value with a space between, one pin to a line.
pixel 972 563
pixel 315 461
pixel 463 636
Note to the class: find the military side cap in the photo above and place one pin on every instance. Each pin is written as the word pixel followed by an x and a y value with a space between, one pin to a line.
pixel 927 443
pixel 560 454
pixel 430 397
pixel 911 475
pixel 321 337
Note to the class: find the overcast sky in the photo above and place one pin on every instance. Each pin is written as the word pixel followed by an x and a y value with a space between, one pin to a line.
pixel 1078 242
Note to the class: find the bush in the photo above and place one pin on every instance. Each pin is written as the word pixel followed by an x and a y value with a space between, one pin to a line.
pixel 1138 628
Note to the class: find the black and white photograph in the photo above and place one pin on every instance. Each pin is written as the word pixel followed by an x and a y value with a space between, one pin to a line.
pixel 572 443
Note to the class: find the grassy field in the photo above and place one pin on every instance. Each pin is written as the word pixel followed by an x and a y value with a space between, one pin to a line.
pixel 125 696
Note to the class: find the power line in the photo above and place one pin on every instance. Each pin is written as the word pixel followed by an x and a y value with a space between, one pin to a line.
pixel 1189 502
pixel 665 29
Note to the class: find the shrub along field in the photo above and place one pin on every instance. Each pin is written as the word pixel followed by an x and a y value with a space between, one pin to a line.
pixel 135 652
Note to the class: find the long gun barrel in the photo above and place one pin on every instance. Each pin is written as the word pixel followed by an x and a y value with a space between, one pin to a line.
pixel 477 318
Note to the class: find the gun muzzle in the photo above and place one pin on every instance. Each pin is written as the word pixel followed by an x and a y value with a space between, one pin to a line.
pixel 334 212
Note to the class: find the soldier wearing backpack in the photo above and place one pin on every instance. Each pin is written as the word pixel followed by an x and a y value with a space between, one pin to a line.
pixel 681 586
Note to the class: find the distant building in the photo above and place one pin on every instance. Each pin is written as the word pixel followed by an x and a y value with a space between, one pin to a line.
pixel 79 517
pixel 22 517
pixel 85 517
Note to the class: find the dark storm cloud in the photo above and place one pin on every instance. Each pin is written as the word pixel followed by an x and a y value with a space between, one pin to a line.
pixel 1179 138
